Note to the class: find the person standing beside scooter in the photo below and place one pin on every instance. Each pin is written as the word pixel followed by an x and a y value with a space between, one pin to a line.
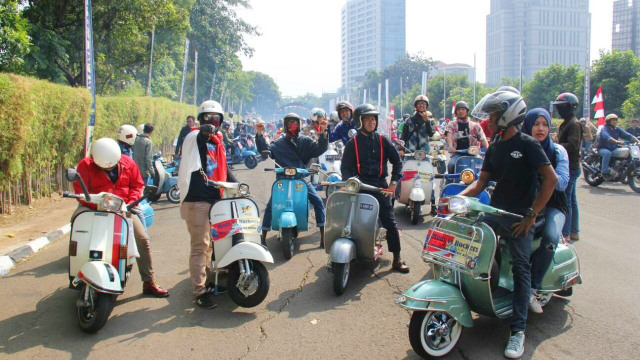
pixel 203 159
pixel 295 150
pixel 515 161
pixel 462 134
pixel 143 152
pixel 417 129
pixel 106 170
pixel 366 156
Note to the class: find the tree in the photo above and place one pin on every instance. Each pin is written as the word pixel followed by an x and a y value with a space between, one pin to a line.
pixel 631 106
pixel 614 71
pixel 552 81
pixel 265 92
pixel 14 39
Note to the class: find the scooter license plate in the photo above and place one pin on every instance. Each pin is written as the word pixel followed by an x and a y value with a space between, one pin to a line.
pixel 332 157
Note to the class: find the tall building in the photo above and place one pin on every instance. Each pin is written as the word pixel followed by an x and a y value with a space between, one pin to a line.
pixel 537 33
pixel 626 29
pixel 373 37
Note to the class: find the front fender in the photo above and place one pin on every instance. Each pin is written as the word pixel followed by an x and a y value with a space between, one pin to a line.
pixel 342 251
pixel 101 276
pixel 248 153
pixel 246 250
pixel 435 295
pixel 287 220
pixel 416 195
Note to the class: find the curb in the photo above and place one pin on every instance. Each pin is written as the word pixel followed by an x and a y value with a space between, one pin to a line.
pixel 8 261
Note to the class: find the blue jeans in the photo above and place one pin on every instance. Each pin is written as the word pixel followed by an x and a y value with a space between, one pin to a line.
pixel 451 167
pixel 605 154
pixel 314 199
pixel 572 223
pixel 520 249
pixel 543 256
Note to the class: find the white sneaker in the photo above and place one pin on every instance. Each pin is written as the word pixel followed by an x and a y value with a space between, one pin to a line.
pixel 534 305
pixel 515 347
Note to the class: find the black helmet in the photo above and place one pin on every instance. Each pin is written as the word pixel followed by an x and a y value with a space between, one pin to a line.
pixel 509 88
pixel 344 105
pixel 566 104
pixel 225 125
pixel 461 105
pixel 292 117
pixel 231 114
pixel 405 116
pixel 364 109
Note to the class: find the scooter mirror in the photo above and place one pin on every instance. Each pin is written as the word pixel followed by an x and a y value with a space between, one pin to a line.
pixel 265 154
pixel 150 190
pixel 72 174
pixel 352 133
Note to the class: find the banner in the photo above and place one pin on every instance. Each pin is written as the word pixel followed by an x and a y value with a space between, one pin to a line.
pixel 184 67
pixel 598 108
pixel 89 74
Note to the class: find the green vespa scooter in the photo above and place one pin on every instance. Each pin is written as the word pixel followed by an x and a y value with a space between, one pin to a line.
pixel 472 272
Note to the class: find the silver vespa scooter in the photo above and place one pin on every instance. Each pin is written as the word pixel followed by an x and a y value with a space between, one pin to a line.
pixel 352 229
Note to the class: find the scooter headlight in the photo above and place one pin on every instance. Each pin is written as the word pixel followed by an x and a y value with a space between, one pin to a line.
pixel 420 155
pixel 474 150
pixel 110 202
pixel 458 205
pixel 290 171
pixel 243 190
pixel 467 176
pixel 353 185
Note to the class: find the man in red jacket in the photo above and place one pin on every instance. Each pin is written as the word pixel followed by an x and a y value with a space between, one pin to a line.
pixel 107 171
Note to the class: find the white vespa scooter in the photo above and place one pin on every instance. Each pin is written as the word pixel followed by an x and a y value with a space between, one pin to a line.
pixel 328 168
pixel 237 252
pixel 102 250
pixel 416 187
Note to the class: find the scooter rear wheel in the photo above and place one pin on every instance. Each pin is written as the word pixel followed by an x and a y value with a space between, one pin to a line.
pixel 92 319
pixel 173 195
pixel 433 334
pixel 250 162
pixel 288 245
pixel 340 277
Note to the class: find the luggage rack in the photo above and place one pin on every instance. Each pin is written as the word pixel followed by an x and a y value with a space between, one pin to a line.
pixel 463 243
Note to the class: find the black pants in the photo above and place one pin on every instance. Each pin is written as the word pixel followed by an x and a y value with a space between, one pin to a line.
pixel 388 220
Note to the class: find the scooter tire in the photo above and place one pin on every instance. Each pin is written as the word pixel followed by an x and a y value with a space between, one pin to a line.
pixel 340 277
pixel 261 292
pixel 154 198
pixel 92 321
pixel 173 195
pixel 250 162
pixel 420 342
pixel 288 244
pixel 416 213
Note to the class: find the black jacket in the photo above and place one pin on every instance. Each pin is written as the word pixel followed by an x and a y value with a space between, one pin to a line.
pixel 369 153
pixel 183 133
pixel 570 137
pixel 293 152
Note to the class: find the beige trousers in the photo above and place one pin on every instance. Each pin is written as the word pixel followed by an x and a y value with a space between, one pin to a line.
pixel 196 215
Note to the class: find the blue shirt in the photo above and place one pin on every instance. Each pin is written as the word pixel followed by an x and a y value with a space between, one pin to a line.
pixel 608 132
pixel 341 132
pixel 562 167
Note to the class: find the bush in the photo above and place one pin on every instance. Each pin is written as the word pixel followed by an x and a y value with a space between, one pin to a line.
pixel 42 130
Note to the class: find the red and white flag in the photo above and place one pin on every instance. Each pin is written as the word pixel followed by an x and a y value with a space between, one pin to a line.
pixel 453 109
pixel 598 108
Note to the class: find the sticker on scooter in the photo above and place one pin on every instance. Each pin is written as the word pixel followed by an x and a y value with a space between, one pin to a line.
pixel 457 248
pixel 279 185
pixel 250 225
pixel 223 229
pixel 299 187
pixel 367 207
pixel 246 209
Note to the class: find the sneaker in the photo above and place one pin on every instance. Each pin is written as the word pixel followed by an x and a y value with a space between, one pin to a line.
pixel 515 347
pixel 211 288
pixel 205 302
pixel 534 305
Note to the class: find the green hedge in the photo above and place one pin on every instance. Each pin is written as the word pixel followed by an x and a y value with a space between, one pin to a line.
pixel 42 128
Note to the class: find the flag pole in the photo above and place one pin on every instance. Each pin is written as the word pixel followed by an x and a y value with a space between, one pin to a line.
pixel 153 35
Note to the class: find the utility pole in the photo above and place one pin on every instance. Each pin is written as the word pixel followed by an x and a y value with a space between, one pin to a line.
pixel 195 79
pixel 153 33
pixel 184 67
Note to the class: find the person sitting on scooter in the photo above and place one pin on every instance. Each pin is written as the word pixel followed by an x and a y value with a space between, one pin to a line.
pixel 345 113
pixel 203 159
pixel 126 137
pixel 537 123
pixel 106 170
pixel 514 160
pixel 609 143
pixel 417 129
pixel 366 156
pixel 295 150
pixel 462 134
pixel 224 130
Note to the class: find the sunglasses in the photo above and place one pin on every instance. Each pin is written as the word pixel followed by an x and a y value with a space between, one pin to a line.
pixel 209 117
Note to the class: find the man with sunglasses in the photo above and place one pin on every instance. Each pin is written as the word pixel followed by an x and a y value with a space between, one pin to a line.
pixel 203 159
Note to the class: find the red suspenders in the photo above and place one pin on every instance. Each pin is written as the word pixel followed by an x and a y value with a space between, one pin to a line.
pixel 355 140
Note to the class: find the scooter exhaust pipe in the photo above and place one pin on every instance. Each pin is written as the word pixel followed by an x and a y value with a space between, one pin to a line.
pixel 589 168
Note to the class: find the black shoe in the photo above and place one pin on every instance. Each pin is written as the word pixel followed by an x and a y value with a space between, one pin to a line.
pixel 211 288
pixel 205 301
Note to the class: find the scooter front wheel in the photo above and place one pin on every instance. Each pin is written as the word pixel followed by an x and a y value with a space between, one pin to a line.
pixel 288 244
pixel 416 213
pixel 433 334
pixel 253 290
pixel 93 316
pixel 340 277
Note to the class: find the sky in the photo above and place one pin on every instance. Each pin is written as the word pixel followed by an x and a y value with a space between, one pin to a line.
pixel 300 42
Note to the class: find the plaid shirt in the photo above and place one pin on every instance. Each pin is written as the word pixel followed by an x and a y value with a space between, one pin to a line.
pixel 475 135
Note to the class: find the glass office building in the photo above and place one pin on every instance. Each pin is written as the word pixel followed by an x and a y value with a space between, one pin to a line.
pixel 537 33
pixel 625 32
pixel 373 37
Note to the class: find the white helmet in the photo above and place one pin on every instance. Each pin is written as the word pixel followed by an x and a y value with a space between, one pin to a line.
pixel 141 129
pixel 127 134
pixel 316 113
pixel 106 153
pixel 211 106
pixel 333 117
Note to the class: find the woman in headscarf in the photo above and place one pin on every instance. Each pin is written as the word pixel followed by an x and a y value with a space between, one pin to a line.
pixel 537 123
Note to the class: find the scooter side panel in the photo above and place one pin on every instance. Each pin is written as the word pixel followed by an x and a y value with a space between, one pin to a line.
pixel 434 295
pixel 222 213
pixel 99 236
pixel 147 212
pixel 565 264
pixel 299 201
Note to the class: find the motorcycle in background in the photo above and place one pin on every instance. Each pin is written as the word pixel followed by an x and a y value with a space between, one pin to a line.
pixel 165 182
pixel 624 167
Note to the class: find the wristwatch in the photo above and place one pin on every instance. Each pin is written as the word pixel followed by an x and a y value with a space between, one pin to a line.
pixel 531 213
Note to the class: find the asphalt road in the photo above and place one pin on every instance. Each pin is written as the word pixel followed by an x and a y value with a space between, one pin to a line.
pixel 302 318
